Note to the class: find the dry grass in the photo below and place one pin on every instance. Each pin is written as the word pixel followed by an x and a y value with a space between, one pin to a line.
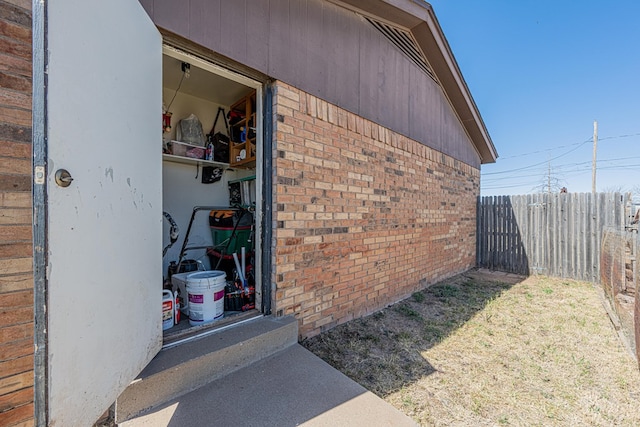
pixel 484 349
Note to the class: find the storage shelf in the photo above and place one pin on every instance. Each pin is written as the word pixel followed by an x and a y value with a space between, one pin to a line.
pixel 250 154
pixel 191 161
pixel 246 107
pixel 246 163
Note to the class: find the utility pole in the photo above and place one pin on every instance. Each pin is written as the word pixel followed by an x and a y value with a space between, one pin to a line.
pixel 595 149
pixel 549 179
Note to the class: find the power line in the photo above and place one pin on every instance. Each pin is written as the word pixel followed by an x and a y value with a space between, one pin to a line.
pixel 560 166
pixel 619 136
pixel 540 151
pixel 534 170
pixel 506 186
pixel 493 185
pixel 567 145
pixel 622 167
pixel 536 178
pixel 542 163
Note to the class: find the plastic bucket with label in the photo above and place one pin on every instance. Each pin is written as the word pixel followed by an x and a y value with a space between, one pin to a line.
pixel 205 292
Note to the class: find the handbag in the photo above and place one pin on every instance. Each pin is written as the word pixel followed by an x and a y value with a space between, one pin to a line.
pixel 219 140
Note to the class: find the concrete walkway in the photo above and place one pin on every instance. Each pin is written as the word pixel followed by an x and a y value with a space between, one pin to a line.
pixel 290 388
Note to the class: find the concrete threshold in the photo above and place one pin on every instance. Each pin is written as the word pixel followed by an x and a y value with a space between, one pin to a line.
pixel 186 367
pixel 290 388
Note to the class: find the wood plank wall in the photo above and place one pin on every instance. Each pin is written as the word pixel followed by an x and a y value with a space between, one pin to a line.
pixel 329 52
pixel 16 250
pixel 552 234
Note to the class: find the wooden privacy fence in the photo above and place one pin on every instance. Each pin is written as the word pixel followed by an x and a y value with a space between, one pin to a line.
pixel 552 234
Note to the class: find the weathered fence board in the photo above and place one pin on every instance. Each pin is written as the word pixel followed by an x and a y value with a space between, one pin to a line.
pixel 554 234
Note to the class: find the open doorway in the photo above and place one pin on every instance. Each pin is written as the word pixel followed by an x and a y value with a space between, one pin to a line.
pixel 212 193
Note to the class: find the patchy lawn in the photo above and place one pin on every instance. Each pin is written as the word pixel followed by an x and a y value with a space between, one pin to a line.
pixel 491 349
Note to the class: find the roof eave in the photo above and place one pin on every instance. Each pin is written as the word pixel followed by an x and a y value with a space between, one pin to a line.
pixel 418 17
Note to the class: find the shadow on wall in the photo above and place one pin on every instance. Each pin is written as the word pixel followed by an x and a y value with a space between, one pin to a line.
pixel 381 351
pixel 557 235
pixel 499 236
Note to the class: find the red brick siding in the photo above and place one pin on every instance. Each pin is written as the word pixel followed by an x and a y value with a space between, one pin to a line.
pixel 16 250
pixel 363 216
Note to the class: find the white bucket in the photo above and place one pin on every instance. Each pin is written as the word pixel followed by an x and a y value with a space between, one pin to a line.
pixel 168 309
pixel 205 292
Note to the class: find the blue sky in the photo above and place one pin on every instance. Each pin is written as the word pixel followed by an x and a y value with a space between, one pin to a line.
pixel 541 72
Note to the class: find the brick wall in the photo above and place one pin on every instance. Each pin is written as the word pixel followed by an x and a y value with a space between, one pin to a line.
pixel 363 216
pixel 16 279
pixel 613 280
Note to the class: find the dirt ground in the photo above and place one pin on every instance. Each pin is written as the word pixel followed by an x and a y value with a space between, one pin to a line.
pixel 490 349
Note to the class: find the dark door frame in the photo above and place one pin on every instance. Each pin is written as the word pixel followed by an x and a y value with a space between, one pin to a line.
pixel 39 189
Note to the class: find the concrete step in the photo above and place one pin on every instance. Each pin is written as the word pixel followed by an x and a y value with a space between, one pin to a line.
pixel 290 388
pixel 181 369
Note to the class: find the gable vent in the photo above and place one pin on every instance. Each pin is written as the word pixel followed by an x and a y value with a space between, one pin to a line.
pixel 405 42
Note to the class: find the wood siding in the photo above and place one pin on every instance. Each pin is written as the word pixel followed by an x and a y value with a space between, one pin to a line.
pixel 16 250
pixel 553 234
pixel 326 51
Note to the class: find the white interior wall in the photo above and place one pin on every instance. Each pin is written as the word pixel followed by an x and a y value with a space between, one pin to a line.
pixel 184 105
pixel 182 190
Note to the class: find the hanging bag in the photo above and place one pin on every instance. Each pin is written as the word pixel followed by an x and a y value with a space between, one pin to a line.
pixel 219 140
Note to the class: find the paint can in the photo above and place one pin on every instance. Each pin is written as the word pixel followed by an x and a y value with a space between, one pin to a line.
pixel 168 309
pixel 205 292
